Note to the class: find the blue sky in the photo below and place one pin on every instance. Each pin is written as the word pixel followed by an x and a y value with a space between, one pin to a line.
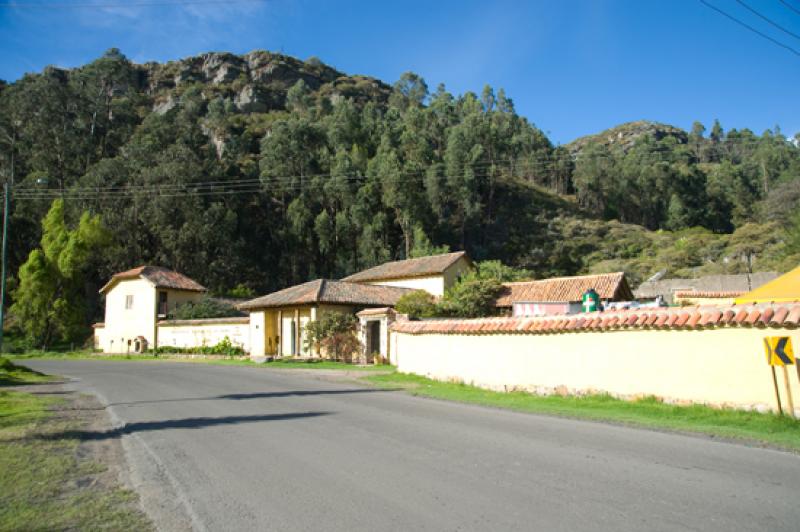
pixel 572 67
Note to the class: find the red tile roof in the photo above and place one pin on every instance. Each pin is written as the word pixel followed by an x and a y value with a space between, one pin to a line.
pixel 326 291
pixel 160 277
pixel 402 269
pixel 760 315
pixel 611 286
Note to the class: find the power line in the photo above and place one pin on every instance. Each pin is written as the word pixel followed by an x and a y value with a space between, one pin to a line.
pixel 154 3
pixel 790 6
pixel 770 21
pixel 751 28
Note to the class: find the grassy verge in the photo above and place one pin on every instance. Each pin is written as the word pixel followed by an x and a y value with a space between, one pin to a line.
pixel 780 431
pixel 11 374
pixel 281 363
pixel 45 484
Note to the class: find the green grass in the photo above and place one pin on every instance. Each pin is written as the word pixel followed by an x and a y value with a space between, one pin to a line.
pixel 281 363
pixel 11 374
pixel 775 430
pixel 44 484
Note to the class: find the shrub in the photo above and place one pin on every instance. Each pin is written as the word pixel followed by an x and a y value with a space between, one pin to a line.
pixel 417 304
pixel 471 298
pixel 241 291
pixel 224 347
pixel 335 334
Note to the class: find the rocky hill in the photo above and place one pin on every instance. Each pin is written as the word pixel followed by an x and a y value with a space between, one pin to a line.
pixel 624 136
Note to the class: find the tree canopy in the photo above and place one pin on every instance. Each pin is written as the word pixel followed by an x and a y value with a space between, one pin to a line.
pixel 267 171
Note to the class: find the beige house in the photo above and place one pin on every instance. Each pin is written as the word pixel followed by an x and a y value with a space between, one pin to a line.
pixel 434 274
pixel 135 302
pixel 278 320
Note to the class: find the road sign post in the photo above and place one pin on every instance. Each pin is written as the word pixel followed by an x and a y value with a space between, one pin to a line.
pixel 780 352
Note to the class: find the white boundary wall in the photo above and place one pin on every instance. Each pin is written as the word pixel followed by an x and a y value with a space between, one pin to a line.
pixel 717 366
pixel 195 333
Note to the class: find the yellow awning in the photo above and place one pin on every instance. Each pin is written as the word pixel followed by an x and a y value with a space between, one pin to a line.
pixel 784 288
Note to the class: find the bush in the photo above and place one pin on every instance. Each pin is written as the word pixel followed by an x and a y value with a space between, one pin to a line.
pixel 224 347
pixel 205 308
pixel 335 334
pixel 417 304
pixel 471 298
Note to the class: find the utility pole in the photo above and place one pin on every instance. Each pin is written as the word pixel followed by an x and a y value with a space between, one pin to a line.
pixel 6 207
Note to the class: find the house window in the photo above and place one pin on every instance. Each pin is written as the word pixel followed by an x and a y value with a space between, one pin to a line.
pixel 128 302
pixel 162 304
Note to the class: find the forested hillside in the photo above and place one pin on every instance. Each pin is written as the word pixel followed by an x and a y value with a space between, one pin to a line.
pixel 263 171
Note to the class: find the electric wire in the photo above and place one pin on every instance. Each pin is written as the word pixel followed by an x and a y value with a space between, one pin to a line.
pixel 749 27
pixel 790 6
pixel 768 20
pixel 105 5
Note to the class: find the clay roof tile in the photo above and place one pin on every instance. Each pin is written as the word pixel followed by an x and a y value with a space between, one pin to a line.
pixel 752 317
pixel 779 316
pixel 794 316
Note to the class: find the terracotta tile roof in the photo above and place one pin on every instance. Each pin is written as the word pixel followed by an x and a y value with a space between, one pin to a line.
pixel 760 315
pixel 682 294
pixel 612 286
pixel 326 291
pixel 160 277
pixel 401 269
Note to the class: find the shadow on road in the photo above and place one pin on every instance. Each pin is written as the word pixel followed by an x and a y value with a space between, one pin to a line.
pixel 262 395
pixel 187 423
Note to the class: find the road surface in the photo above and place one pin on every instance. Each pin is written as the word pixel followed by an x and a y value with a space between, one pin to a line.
pixel 236 448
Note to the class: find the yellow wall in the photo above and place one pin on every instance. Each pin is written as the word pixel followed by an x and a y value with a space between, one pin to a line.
pixel 207 334
pixel 266 324
pixel 459 268
pixel 180 297
pixel 121 324
pixel 721 366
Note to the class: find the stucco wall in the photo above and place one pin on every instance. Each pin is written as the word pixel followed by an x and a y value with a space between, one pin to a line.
pixel 456 270
pixel 177 334
pixel 121 324
pixel 180 297
pixel 434 284
pixel 258 331
pixel 719 366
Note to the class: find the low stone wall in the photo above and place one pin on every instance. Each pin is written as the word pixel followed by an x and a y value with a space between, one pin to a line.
pixel 207 332
pixel 708 355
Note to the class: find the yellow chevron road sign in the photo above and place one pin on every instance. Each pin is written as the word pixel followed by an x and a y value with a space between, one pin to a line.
pixel 779 350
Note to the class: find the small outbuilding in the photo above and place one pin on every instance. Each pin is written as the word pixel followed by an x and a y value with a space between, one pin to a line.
pixel 136 300
pixel 278 320
pixel 561 295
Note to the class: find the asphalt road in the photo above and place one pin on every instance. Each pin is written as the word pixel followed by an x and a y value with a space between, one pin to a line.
pixel 233 448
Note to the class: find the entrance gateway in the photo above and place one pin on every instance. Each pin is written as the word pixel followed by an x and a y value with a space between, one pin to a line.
pixel 373 339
